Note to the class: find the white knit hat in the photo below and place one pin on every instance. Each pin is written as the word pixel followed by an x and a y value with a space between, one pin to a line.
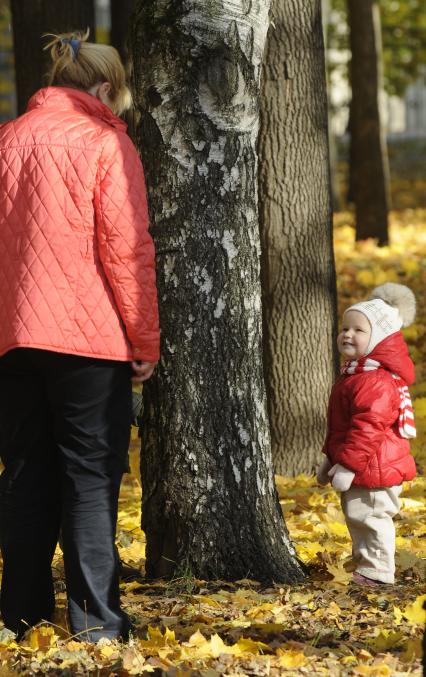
pixel 390 307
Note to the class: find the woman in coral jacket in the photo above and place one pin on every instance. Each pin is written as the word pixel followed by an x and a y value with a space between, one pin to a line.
pixel 78 319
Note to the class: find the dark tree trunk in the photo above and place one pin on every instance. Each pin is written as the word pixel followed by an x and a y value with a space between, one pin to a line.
pixel 209 501
pixel 370 171
pixel 32 18
pixel 121 11
pixel 298 274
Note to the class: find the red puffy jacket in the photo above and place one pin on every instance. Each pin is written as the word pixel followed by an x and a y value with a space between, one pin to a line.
pixel 363 420
pixel 77 270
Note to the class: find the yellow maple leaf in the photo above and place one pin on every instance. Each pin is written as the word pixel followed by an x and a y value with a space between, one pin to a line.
pixel 42 638
pixel 259 610
pixel 339 573
pixel 289 658
pixel 301 597
pixel 247 645
pixel 413 649
pixel 415 613
pixel 218 647
pixel 384 640
pixel 198 647
pixel 338 529
pixel 159 644
pixel 347 660
pixel 381 670
pixel 204 599
pixel 398 615
pixel 309 551
pixel 107 651
pixel 135 552
pixel 363 655
pixel 196 639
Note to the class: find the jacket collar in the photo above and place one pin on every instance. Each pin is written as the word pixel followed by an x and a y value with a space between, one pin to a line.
pixel 68 98
pixel 393 355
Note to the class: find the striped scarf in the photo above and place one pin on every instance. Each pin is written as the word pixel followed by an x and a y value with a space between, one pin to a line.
pixel 406 425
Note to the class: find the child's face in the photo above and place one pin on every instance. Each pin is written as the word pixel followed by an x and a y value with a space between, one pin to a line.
pixel 354 338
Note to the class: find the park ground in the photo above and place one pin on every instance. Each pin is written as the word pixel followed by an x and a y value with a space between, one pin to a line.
pixel 325 626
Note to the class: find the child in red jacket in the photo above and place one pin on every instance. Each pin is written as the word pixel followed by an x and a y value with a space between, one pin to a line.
pixel 370 422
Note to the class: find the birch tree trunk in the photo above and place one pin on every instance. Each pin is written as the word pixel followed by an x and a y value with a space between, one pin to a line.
pixel 209 500
pixel 369 160
pixel 298 274
pixel 32 18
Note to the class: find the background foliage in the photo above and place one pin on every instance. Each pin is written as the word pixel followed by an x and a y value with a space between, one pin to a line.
pixel 403 39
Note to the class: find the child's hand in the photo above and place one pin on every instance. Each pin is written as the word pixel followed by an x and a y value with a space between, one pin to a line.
pixel 342 477
pixel 322 473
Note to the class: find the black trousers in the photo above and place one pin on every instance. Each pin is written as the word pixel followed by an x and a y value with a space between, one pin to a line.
pixel 64 434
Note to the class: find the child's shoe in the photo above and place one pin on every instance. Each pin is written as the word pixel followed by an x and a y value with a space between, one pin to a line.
pixel 359 579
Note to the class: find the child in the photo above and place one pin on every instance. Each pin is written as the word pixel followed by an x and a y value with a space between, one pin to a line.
pixel 370 420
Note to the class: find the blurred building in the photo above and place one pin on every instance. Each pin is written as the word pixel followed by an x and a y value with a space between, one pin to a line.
pixel 415 105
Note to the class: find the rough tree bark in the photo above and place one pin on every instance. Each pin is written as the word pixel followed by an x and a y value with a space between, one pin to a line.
pixel 32 18
pixel 369 161
pixel 298 274
pixel 209 500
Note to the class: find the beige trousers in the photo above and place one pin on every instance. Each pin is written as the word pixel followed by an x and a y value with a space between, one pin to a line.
pixel 369 517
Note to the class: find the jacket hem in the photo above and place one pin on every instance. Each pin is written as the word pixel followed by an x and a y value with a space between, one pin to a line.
pixel 67 351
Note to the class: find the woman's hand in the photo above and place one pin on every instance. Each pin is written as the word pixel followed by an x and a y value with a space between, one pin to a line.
pixel 142 371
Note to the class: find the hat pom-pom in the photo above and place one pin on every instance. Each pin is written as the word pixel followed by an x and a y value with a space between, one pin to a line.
pixel 398 296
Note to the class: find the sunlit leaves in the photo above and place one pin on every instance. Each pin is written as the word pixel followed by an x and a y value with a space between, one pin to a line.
pixel 328 626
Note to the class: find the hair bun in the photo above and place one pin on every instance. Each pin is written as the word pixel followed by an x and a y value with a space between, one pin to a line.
pixel 398 296
pixel 61 46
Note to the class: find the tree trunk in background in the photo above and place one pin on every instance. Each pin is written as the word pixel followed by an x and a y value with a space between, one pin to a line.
pixel 370 170
pixel 121 11
pixel 32 18
pixel 209 500
pixel 298 274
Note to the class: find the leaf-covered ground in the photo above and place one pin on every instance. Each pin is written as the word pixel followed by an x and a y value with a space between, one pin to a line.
pixel 327 625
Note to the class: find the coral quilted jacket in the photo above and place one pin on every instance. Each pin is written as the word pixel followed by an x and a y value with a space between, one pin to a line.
pixel 363 420
pixel 77 266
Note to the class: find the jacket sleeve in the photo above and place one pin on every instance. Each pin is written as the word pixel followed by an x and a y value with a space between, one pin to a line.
pixel 374 407
pixel 125 246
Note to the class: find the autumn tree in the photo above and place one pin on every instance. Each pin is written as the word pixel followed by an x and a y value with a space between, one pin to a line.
pixel 368 155
pixel 209 501
pixel 298 276
pixel 403 29
pixel 32 18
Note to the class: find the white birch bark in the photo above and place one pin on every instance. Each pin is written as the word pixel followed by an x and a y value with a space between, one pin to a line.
pixel 209 500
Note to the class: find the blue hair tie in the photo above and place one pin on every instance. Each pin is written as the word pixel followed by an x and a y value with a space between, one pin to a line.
pixel 75 46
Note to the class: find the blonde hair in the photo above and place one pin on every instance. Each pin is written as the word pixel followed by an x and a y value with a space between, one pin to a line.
pixel 81 64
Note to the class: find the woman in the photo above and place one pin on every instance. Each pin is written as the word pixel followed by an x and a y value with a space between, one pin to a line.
pixel 78 316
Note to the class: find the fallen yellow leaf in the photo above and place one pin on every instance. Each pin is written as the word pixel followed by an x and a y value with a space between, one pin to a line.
pixel 415 613
pixel 291 659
